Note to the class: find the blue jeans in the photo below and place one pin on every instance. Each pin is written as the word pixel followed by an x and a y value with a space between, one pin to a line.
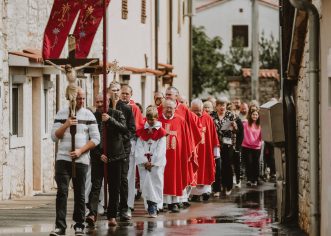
pixel 63 174
pixel 152 207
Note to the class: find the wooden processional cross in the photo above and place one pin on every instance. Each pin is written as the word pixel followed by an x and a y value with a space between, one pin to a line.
pixel 74 62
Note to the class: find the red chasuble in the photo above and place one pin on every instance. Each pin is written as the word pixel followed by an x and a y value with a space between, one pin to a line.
pixel 175 173
pixel 138 117
pixel 194 132
pixel 206 171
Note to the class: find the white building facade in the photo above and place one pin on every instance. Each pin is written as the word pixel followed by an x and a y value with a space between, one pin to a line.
pixel 31 93
pixel 233 18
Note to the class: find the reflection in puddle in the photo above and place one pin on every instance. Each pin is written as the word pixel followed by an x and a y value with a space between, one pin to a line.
pixel 255 214
pixel 28 229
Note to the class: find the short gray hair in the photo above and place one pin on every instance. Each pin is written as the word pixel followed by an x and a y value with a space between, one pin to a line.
pixel 169 101
pixel 197 101
pixel 174 89
pixel 222 100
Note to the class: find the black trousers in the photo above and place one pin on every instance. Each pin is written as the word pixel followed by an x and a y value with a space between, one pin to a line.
pixel 237 165
pixel 63 174
pixel 97 175
pixel 226 167
pixel 252 158
pixel 123 206
pixel 269 158
pixel 217 184
pixel 114 180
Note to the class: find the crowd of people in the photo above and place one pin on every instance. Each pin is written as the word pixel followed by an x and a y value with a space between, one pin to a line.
pixel 174 154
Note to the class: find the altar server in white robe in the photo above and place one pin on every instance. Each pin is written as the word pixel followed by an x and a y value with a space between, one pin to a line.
pixel 150 156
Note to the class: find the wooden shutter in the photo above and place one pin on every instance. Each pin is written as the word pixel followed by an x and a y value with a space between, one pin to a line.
pixel 143 11
pixel 125 9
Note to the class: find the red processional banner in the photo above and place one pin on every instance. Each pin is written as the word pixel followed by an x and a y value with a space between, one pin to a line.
pixel 62 16
pixel 61 19
pixel 87 25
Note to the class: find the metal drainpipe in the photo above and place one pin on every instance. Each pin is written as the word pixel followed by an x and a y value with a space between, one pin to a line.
pixel 313 72
pixel 156 43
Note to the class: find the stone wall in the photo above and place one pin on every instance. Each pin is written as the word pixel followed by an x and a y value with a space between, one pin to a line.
pixel 241 87
pixel 302 111
pixel 21 26
pixel 302 104
pixel 4 96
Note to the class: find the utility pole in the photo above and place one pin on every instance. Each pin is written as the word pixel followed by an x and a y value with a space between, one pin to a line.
pixel 255 51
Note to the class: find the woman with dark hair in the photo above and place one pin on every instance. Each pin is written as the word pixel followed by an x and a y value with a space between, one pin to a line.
pixel 251 146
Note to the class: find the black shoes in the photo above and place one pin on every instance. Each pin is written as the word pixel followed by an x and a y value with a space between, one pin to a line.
pixel 195 198
pixel 125 215
pixel 138 195
pixel 186 205
pixel 205 197
pixel 90 220
pixel 173 208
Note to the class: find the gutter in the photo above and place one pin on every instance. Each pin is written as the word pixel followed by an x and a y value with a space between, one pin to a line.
pixel 313 75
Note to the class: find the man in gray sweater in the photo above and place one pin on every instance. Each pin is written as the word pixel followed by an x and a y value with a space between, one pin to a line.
pixel 86 138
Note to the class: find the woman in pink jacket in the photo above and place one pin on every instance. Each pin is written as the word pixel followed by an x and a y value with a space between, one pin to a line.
pixel 251 146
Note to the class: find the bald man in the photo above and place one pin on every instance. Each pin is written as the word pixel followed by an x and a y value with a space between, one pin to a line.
pixel 87 137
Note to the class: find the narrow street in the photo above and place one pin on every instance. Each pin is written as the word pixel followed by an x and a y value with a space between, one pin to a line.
pixel 247 211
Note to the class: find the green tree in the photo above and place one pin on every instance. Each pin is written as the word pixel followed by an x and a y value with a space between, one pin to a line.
pixel 211 67
pixel 207 63
pixel 238 57
pixel 269 52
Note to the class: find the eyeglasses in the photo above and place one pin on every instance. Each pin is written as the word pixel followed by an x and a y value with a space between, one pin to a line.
pixel 80 98
pixel 115 90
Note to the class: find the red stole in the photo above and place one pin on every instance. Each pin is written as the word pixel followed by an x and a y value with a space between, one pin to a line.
pixel 154 134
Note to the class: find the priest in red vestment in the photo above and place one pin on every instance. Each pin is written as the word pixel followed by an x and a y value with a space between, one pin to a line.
pixel 208 151
pixel 193 124
pixel 177 154
pixel 194 131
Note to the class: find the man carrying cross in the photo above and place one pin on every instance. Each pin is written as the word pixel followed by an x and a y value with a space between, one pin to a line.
pixel 87 137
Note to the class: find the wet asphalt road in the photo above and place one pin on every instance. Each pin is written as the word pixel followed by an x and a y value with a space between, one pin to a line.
pixel 247 211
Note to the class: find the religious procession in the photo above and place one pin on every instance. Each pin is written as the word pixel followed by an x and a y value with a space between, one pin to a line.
pixel 165 117
pixel 175 155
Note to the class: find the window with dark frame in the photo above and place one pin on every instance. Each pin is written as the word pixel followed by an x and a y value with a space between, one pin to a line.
pixel 17 110
pixel 45 111
pixel 240 35
pixel 125 9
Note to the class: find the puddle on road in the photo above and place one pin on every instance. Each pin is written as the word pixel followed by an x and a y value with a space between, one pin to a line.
pixel 254 210
pixel 257 210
